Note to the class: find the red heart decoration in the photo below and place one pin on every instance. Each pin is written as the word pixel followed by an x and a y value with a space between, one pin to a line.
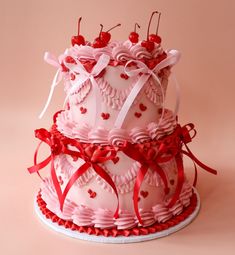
pixel 105 116
pixel 83 110
pixel 143 193
pixel 138 114
pixel 172 182
pixel 115 160
pixel 143 107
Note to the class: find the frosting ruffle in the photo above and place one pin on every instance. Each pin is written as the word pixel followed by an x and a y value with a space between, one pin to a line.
pixel 115 136
pixel 103 218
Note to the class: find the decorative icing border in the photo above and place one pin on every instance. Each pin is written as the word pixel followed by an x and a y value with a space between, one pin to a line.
pixel 192 209
pixel 85 133
pixel 103 218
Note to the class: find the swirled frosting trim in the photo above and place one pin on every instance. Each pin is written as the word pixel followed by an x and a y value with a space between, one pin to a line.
pixel 103 136
pixel 103 218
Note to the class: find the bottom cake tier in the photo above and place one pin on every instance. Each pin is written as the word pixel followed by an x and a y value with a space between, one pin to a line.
pixel 114 235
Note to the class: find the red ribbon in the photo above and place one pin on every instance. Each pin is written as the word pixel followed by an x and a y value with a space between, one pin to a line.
pixel 92 155
pixel 131 151
pixel 168 148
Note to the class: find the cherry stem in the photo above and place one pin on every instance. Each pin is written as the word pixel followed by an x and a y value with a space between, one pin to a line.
pixel 118 25
pixel 79 21
pixel 158 22
pixel 136 25
pixel 150 20
pixel 101 29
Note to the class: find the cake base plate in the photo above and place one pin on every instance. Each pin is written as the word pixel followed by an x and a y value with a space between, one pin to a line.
pixel 118 239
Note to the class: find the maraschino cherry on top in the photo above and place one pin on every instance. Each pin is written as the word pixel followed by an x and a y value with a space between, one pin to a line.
pixel 104 36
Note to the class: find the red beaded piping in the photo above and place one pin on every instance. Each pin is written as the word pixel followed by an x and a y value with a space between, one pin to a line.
pixel 156 227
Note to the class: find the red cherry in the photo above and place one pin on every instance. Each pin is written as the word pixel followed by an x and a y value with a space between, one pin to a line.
pixel 155 38
pixel 105 37
pixel 134 37
pixel 149 46
pixel 78 39
pixel 98 43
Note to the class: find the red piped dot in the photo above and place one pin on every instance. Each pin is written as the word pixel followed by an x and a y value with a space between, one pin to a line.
pixel 172 182
pixel 72 76
pixel 105 116
pixel 92 193
pixel 143 107
pixel 124 76
pixel 138 114
pixel 83 110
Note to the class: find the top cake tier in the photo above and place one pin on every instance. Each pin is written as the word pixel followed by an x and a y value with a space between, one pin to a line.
pixel 121 85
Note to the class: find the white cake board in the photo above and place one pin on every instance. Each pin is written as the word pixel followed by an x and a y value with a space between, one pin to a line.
pixel 118 239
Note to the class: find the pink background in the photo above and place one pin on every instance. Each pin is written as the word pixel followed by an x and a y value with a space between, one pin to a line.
pixel 202 30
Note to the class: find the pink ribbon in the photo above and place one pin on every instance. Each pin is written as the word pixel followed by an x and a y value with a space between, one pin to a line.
pixel 52 60
pixel 172 58
pixel 83 76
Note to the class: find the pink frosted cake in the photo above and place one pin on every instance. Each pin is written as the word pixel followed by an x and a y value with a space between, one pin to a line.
pixel 116 164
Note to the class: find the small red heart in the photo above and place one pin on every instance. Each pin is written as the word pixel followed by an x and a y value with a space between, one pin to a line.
pixel 172 182
pixel 143 107
pixel 115 160
pixel 138 114
pixel 160 110
pixel 91 193
pixel 138 199
pixel 83 110
pixel 105 116
pixel 124 76
pixel 143 193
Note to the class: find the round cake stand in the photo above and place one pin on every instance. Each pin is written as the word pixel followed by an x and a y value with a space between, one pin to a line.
pixel 119 239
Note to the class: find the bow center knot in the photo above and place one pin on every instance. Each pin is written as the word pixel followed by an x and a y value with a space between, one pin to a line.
pixel 185 134
pixel 56 146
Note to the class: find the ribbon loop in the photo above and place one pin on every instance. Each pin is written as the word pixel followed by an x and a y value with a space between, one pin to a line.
pixel 172 58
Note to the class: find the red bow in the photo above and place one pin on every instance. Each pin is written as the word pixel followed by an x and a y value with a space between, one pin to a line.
pixel 91 154
pixel 168 148
pixel 147 160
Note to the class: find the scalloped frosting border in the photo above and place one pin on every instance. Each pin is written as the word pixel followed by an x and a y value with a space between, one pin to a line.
pixel 103 218
pixel 114 232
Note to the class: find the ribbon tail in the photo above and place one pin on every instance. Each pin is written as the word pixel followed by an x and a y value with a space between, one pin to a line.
pixel 177 91
pixel 162 174
pixel 79 172
pixel 35 160
pixel 97 100
pixel 180 181
pixel 130 99
pixel 195 175
pixel 55 181
pixel 75 86
pixel 100 171
pixel 55 82
pixel 37 167
pixel 139 179
pixel 197 161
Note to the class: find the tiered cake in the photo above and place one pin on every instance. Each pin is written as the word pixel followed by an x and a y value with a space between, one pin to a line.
pixel 116 152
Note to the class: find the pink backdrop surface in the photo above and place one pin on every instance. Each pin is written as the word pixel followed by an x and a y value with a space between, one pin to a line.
pixel 204 33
